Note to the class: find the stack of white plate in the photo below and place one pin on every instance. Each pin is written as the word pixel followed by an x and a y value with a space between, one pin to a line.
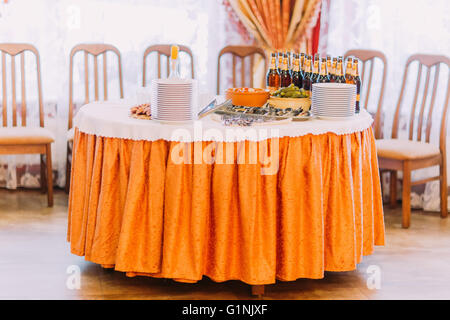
pixel 174 100
pixel 333 100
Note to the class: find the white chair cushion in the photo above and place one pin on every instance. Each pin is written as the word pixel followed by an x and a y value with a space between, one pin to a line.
pixel 405 149
pixel 25 136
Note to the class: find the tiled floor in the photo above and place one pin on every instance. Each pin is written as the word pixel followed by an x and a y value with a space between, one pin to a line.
pixel 34 257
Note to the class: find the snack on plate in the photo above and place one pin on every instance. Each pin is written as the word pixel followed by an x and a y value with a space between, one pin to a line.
pixel 142 111
pixel 290 92
pixel 290 97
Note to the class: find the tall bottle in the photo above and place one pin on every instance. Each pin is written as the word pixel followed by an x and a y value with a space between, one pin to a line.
pixel 290 59
pixel 297 75
pixel 273 76
pixel 333 70
pixel 285 73
pixel 302 61
pixel 323 75
pixel 307 83
pixel 303 68
pixel 349 71
pixel 174 62
pixel 339 77
pixel 280 61
pixel 357 82
pixel 315 70
pixel 316 57
pixel 329 65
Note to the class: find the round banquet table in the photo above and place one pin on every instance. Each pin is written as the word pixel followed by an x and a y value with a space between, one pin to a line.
pixel 134 207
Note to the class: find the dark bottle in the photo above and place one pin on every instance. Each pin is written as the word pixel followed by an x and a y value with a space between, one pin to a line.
pixel 285 73
pixel 315 70
pixel 339 77
pixel 357 82
pixel 307 75
pixel 273 77
pixel 323 75
pixel 297 75
pixel 349 71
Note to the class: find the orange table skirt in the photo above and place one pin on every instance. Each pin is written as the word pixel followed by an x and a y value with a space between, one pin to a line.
pixel 134 209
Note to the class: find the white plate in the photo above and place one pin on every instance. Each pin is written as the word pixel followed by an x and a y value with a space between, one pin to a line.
pixel 342 89
pixel 331 96
pixel 173 121
pixel 332 85
pixel 333 101
pixel 324 90
pixel 337 118
pixel 333 113
pixel 343 99
pixel 339 115
pixel 332 108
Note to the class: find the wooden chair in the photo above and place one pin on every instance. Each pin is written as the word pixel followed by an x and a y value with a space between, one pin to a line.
pixel 164 49
pixel 407 155
pixel 369 56
pixel 95 50
pixel 240 52
pixel 21 139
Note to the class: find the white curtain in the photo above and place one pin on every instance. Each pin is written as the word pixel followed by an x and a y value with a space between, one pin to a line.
pixel 54 27
pixel 398 28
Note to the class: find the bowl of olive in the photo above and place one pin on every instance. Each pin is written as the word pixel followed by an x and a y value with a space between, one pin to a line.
pixel 290 97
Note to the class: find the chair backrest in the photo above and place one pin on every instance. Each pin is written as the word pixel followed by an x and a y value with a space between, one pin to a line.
pixel 369 56
pixel 240 52
pixel 14 49
pixel 164 49
pixel 429 62
pixel 95 50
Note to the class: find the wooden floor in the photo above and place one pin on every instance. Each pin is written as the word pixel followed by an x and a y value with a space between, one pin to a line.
pixel 34 257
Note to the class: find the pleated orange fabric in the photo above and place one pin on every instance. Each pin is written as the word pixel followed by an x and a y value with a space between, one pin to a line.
pixel 133 208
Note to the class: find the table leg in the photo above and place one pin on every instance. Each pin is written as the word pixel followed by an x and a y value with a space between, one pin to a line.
pixel 258 290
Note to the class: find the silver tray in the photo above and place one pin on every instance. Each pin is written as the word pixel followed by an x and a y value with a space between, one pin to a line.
pixel 225 109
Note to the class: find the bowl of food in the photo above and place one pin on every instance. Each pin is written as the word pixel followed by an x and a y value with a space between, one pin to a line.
pixel 248 97
pixel 290 97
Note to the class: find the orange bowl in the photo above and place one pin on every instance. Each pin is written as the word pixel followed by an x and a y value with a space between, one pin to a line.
pixel 248 97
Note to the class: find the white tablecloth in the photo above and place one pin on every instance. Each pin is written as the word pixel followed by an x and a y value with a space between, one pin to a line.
pixel 111 119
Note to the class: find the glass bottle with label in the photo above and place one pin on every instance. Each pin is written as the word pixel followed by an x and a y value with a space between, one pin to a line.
pixel 339 77
pixel 323 75
pixel 297 74
pixel 273 76
pixel 315 69
pixel 307 75
pixel 349 71
pixel 285 73
pixel 357 82
pixel 280 61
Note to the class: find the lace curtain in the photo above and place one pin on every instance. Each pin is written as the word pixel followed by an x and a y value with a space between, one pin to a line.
pixel 54 27
pixel 397 28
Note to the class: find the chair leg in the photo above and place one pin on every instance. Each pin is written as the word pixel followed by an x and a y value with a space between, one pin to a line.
pixel 49 175
pixel 43 176
pixel 443 174
pixel 68 169
pixel 406 196
pixel 393 189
